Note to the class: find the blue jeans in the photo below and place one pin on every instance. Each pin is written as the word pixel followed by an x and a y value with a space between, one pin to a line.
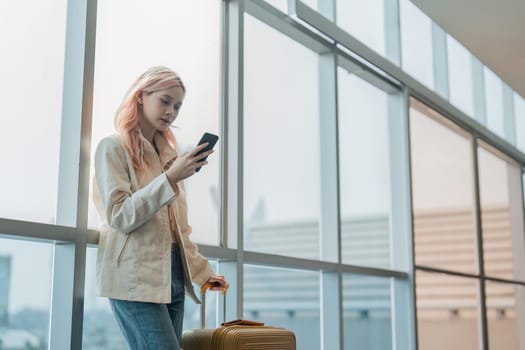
pixel 151 326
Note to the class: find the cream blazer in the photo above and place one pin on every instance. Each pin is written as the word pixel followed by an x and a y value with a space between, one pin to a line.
pixel 134 248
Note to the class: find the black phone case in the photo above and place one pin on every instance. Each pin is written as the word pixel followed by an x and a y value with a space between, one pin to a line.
pixel 212 140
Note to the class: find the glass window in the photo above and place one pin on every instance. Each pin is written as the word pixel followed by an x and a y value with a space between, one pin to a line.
pixel 364 20
pixel 364 172
pixel 494 99
pixel 460 76
pixel 447 312
pixel 281 144
pixel 503 249
pixel 32 71
pixel 519 113
pixel 367 312
pixel 441 162
pixel 25 289
pixel 416 41
pixel 195 57
pixel 101 331
pixel 502 317
pixel 285 298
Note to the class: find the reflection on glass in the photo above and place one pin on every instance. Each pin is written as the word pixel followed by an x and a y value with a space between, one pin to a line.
pixel 447 312
pixel 25 287
pixel 367 312
pixel 101 331
pixel 519 114
pixel 416 41
pixel 502 316
pixel 281 145
pixel 195 57
pixel 502 240
pixel 441 164
pixel 460 76
pixel 285 298
pixel 32 71
pixel 494 100
pixel 364 20
pixel 364 172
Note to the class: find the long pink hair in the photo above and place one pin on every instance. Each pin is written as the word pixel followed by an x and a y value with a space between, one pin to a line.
pixel 127 116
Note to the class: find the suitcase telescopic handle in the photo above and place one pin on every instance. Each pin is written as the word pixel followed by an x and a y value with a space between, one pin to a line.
pixel 204 289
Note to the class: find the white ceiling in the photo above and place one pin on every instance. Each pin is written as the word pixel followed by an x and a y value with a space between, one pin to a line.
pixel 493 30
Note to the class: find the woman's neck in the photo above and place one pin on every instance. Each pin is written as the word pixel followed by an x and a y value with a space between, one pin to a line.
pixel 147 131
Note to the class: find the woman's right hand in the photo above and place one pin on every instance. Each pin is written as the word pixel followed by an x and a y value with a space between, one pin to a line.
pixel 185 164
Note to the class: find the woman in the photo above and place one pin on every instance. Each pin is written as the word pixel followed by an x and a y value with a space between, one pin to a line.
pixel 146 260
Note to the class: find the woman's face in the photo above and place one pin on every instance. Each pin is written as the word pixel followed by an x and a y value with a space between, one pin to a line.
pixel 160 108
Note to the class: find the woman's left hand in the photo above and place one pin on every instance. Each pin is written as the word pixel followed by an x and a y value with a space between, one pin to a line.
pixel 219 281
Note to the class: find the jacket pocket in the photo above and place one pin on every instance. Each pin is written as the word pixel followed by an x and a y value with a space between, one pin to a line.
pixel 122 249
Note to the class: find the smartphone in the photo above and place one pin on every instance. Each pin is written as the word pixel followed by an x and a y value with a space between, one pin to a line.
pixel 211 139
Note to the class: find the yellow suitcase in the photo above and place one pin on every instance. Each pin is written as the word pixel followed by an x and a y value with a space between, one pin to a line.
pixel 237 335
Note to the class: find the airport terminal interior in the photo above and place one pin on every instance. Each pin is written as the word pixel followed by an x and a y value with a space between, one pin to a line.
pixel 366 191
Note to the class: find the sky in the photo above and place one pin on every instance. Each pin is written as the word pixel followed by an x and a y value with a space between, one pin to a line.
pixel 281 111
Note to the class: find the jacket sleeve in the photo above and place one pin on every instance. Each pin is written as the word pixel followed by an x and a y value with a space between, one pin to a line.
pixel 200 268
pixel 125 210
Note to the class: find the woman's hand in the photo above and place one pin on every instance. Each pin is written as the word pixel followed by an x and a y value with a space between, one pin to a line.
pixel 219 283
pixel 185 164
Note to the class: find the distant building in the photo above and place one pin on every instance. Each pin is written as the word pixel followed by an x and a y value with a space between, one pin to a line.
pixel 5 271
pixel 444 238
pixel 16 339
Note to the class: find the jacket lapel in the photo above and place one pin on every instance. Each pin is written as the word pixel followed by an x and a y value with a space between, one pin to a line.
pixel 166 154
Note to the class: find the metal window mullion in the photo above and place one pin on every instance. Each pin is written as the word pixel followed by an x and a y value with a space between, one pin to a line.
pixel 478 88
pixel 515 192
pixel 232 225
pixel 402 249
pixel 332 323
pixel 223 122
pixel 392 31
pixel 289 262
pixel 330 229
pixel 509 118
pixel 36 232
pixel 67 304
pixel 517 216
pixel 219 253
pixel 479 247
pixel 519 210
pixel 440 59
pixel 446 272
